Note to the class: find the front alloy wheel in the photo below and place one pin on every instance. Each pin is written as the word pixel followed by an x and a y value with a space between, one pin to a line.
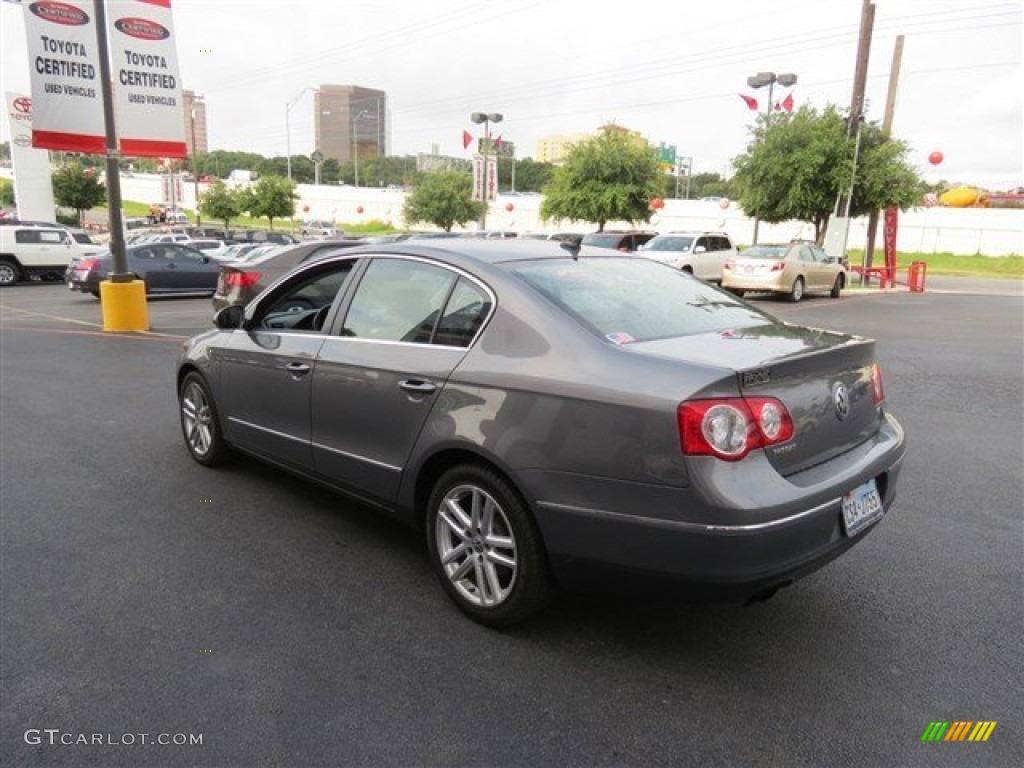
pixel 199 423
pixel 8 273
pixel 485 547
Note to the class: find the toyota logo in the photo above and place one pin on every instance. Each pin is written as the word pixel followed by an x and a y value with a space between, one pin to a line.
pixel 841 400
pixel 23 104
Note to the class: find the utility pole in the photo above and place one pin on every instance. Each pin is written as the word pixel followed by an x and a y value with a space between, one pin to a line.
pixel 890 108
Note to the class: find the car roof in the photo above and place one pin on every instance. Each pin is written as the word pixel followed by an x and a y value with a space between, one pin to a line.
pixel 463 251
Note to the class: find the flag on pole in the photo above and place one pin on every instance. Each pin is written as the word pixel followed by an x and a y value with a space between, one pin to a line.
pixel 750 100
pixel 467 139
pixel 787 103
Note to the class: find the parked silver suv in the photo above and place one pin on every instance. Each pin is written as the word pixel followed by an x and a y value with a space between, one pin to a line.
pixel 700 253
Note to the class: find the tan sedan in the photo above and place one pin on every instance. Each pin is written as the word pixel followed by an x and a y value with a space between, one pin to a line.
pixel 792 269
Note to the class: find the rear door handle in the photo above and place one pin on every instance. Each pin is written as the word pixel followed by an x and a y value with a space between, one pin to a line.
pixel 417 386
pixel 297 369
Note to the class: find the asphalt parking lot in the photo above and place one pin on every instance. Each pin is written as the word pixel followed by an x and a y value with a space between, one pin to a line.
pixel 143 594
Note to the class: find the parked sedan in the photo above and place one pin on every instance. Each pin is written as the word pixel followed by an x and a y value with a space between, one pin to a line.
pixel 793 270
pixel 242 279
pixel 166 268
pixel 541 413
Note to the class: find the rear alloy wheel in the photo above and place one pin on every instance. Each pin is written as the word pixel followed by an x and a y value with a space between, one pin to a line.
pixel 837 288
pixel 485 547
pixel 200 424
pixel 798 290
pixel 9 273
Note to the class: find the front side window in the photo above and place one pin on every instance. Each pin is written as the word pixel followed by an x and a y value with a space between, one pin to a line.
pixel 304 303
pixel 398 300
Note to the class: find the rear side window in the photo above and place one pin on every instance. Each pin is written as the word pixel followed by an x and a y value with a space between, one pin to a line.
pixel 26 236
pixel 398 300
pixel 628 300
pixel 463 315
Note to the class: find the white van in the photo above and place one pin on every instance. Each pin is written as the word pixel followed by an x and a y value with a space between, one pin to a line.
pixel 38 251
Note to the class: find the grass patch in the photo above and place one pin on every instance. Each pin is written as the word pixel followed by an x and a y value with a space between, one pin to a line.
pixel 953 264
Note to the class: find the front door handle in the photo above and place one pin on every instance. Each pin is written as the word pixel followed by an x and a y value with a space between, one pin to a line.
pixel 298 370
pixel 417 386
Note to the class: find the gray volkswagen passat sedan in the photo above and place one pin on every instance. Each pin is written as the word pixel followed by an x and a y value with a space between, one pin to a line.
pixel 543 414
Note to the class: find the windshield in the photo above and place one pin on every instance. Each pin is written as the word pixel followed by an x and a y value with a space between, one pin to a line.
pixel 628 300
pixel 765 252
pixel 673 243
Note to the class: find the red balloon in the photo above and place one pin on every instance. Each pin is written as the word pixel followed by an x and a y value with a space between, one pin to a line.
pixel 935 158
pixel 305 209
pixel 509 207
pixel 359 209
pixel 657 204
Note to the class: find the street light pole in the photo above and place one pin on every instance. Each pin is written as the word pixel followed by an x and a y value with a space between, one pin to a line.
pixel 486 118
pixel 760 80
pixel 288 128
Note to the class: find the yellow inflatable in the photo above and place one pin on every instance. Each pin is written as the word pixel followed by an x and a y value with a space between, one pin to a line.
pixel 961 197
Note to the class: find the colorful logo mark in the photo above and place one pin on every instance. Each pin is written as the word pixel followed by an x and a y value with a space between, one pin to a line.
pixel 958 730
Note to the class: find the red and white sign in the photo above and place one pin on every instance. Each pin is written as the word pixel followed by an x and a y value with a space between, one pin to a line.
pixel 65 75
pixel 485 177
pixel 33 188
pixel 147 88
pixel 892 223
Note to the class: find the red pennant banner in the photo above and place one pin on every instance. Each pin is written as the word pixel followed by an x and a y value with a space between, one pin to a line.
pixel 750 100
pixel 467 139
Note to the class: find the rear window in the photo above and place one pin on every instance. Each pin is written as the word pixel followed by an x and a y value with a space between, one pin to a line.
pixel 674 243
pixel 628 300
pixel 765 252
pixel 603 241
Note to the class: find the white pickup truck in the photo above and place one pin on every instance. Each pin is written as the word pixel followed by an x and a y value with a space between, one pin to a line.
pixel 39 251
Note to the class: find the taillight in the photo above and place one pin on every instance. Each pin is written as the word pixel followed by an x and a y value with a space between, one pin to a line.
pixel 87 265
pixel 729 428
pixel 778 266
pixel 877 387
pixel 236 279
pixel 728 264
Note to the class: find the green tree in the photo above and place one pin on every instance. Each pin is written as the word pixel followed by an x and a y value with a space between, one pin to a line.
pixel 798 164
pixel 273 197
pixel 6 193
pixel 612 177
pixel 531 176
pixel 443 199
pixel 79 188
pixel 220 202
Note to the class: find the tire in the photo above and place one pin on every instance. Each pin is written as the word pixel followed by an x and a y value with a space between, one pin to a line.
pixel 9 273
pixel 687 270
pixel 797 291
pixel 496 570
pixel 837 288
pixel 200 423
pixel 737 292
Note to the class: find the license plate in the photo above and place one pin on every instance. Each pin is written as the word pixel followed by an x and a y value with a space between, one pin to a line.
pixel 861 507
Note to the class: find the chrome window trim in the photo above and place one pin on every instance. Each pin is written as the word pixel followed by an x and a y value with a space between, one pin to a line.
pixel 705 528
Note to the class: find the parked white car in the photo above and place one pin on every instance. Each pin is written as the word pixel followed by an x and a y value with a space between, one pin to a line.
pixel 702 254
pixel 41 252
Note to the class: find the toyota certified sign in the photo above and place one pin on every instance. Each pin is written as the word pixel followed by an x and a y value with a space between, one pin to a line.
pixel 59 13
pixel 143 29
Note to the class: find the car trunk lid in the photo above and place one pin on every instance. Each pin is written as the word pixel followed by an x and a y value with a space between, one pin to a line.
pixel 824 379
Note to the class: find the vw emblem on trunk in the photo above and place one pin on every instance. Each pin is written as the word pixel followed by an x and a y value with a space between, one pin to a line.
pixel 841 400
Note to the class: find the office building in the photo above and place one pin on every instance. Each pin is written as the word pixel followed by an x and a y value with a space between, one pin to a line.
pixel 195 122
pixel 350 119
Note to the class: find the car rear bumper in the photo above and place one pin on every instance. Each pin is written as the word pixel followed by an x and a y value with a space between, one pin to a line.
pixel 681 538
pixel 774 281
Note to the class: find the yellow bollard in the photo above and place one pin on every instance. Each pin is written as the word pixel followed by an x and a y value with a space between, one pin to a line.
pixel 124 306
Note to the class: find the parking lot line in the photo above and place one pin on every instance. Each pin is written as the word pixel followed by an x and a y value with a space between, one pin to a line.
pixel 59 319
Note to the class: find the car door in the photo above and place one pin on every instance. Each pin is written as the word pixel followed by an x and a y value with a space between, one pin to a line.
pixel 151 264
pixel 193 270
pixel 268 367
pixel 406 327
pixel 702 257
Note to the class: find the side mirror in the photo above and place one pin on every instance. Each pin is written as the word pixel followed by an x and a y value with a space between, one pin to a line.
pixel 230 318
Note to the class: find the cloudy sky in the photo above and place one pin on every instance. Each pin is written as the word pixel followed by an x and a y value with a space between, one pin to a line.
pixel 671 69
